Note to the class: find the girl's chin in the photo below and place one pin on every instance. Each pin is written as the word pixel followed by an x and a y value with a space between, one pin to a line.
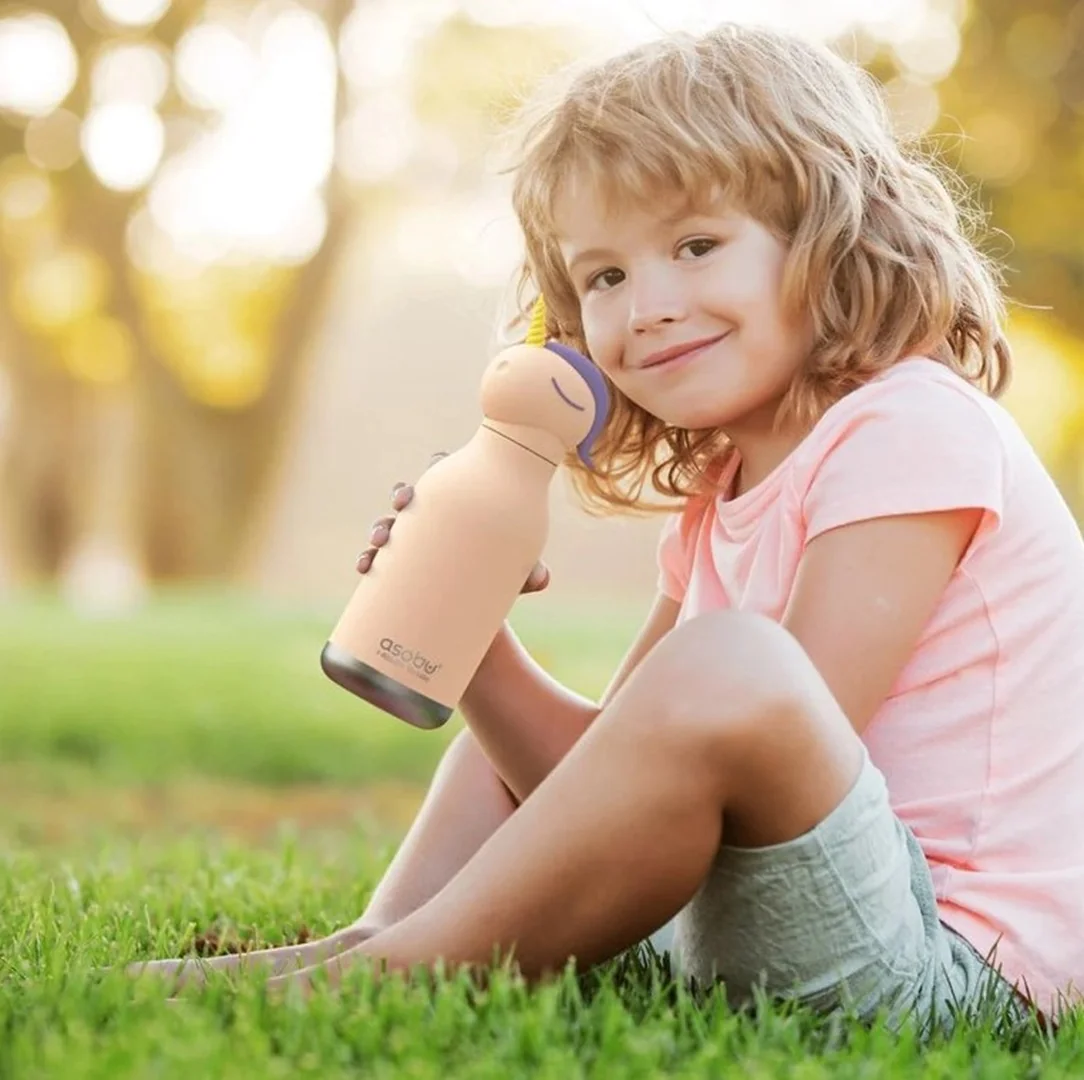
pixel 694 411
pixel 698 418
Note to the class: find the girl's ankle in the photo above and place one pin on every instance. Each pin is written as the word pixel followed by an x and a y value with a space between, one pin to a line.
pixel 355 934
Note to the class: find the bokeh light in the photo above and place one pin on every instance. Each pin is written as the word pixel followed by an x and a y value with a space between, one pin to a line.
pixel 997 148
pixel 38 64
pixel 626 21
pixel 251 186
pixel 123 143
pixel 55 290
pixel 135 72
pixel 53 142
pixel 215 67
pixel 133 12
pixel 913 103
pixel 1037 45
pixel 29 211
pixel 220 126
pixel 378 138
pixel 98 349
pixel 24 192
pixel 379 38
pixel 932 52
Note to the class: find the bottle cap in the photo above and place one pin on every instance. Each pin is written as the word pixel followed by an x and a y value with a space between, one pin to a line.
pixel 522 387
pixel 551 390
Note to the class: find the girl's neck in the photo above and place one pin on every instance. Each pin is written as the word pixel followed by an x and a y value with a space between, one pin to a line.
pixel 760 455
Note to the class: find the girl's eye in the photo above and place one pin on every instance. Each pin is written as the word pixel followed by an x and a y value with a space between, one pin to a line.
pixel 699 247
pixel 605 279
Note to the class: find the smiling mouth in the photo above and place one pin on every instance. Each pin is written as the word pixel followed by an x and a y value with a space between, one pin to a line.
pixel 692 350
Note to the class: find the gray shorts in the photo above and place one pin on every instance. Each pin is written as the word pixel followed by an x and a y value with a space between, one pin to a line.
pixel 842 919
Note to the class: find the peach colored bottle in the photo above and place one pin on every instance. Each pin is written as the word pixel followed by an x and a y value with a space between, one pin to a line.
pixel 422 618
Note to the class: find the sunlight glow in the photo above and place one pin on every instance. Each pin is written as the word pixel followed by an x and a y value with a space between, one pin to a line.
pixel 628 21
pixel 378 138
pixel 38 64
pixel 477 237
pixel 477 232
pixel 379 36
pixel 251 186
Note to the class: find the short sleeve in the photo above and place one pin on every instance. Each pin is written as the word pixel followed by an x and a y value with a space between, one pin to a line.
pixel 911 445
pixel 674 557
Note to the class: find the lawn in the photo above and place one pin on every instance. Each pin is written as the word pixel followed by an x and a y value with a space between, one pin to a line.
pixel 189 780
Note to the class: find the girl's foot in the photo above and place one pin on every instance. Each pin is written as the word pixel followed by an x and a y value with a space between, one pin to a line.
pixel 186 971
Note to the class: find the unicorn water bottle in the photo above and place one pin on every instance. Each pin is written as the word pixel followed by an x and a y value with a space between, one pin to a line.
pixel 422 618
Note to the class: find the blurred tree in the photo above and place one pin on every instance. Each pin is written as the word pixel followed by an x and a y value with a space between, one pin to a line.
pixel 1018 93
pixel 144 404
pixel 151 368
pixel 152 386
pixel 996 88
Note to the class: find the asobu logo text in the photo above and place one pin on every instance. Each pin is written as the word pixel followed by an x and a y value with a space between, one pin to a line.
pixel 409 658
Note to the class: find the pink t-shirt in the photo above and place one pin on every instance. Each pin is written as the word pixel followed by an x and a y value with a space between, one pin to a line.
pixel 981 740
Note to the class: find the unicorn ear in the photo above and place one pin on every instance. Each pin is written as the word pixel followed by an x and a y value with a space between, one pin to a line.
pixel 536 332
pixel 536 335
pixel 597 385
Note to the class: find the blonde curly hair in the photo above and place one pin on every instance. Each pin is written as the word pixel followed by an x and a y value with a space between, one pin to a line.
pixel 878 255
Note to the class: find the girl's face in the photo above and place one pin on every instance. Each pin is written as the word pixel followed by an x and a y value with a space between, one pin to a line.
pixel 683 310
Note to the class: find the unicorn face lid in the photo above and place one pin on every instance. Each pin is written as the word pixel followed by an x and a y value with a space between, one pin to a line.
pixel 536 335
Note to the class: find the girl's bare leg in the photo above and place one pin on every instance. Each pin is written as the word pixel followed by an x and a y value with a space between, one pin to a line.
pixel 725 724
pixel 465 804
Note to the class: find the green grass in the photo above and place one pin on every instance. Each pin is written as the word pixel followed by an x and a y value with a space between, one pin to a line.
pixel 203 690
pixel 65 917
pixel 229 687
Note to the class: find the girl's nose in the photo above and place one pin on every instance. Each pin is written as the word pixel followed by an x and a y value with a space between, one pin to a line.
pixel 655 303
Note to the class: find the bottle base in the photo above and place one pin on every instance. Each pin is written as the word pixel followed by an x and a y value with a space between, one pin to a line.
pixel 382 691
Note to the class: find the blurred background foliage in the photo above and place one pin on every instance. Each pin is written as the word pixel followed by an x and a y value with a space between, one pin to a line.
pixel 180 181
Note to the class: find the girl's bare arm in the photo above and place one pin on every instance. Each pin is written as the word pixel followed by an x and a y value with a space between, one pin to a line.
pixel 525 720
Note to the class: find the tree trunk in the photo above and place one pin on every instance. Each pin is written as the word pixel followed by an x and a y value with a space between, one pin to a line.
pixel 109 487
pixel 103 570
pixel 35 446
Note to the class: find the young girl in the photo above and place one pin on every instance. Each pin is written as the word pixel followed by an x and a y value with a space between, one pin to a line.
pixel 845 754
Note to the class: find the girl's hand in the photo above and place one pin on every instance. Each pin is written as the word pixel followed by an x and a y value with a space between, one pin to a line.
pixel 401 495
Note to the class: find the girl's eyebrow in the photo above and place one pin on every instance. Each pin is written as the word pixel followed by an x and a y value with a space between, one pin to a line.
pixel 590 255
pixel 678 216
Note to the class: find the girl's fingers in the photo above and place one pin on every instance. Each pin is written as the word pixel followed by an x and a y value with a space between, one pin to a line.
pixel 538 578
pixel 401 494
pixel 381 531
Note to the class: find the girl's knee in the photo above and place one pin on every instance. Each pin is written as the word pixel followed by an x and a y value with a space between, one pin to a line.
pixel 739 695
pixel 730 661
pixel 734 681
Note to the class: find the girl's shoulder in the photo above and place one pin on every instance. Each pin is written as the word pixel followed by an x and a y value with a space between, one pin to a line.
pixel 918 438
pixel 913 384
pixel 917 399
